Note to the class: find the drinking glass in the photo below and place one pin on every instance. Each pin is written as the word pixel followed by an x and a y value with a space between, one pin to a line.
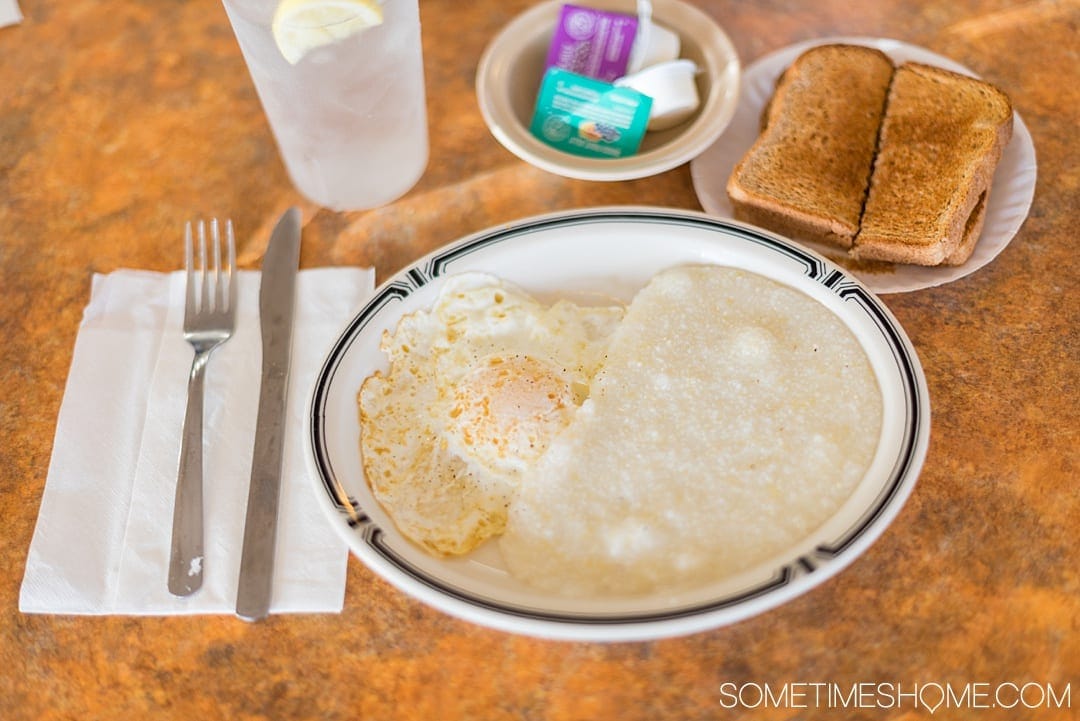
pixel 349 117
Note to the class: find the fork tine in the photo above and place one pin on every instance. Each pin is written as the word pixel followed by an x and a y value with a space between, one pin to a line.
pixel 189 292
pixel 218 298
pixel 231 244
pixel 204 290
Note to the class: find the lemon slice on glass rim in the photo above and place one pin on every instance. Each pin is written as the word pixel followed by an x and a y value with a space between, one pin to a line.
pixel 300 26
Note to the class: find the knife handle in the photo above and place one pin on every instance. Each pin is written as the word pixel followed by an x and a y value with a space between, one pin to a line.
pixel 254 590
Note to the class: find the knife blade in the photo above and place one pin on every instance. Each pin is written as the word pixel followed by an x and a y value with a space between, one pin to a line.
pixel 277 291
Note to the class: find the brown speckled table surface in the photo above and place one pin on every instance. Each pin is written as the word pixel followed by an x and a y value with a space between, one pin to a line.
pixel 121 120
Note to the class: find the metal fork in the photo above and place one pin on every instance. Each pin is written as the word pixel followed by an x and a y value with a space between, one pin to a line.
pixel 209 317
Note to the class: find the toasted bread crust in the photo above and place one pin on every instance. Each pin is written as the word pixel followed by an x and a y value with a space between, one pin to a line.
pixel 941 139
pixel 972 231
pixel 807 173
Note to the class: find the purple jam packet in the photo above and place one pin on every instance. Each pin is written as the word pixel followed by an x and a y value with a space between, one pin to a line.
pixel 593 43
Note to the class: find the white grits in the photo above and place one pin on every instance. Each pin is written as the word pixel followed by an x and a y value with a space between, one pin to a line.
pixel 732 416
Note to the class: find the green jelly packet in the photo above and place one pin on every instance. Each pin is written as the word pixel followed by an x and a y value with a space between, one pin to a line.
pixel 588 117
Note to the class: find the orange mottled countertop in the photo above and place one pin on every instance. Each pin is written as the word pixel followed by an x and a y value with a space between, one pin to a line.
pixel 119 121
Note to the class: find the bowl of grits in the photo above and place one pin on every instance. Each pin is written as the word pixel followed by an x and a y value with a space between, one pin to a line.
pixel 691 423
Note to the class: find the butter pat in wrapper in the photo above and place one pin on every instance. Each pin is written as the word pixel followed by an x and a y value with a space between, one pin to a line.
pixel 591 42
pixel 590 118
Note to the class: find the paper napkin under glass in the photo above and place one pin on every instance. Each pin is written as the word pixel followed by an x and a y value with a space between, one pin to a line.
pixel 104 529
pixel 9 13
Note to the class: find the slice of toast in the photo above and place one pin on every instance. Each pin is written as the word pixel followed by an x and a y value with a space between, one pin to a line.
pixel 806 174
pixel 941 139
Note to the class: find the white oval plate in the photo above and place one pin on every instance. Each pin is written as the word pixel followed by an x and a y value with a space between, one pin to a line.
pixel 1010 195
pixel 612 252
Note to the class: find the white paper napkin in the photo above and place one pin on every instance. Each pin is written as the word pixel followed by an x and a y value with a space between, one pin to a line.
pixel 101 544
pixel 9 13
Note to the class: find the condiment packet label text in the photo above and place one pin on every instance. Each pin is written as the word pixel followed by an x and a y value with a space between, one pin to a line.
pixel 590 42
pixel 587 117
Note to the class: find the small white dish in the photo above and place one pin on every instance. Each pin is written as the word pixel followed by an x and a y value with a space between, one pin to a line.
pixel 673 90
pixel 1010 195
pixel 511 68
pixel 611 253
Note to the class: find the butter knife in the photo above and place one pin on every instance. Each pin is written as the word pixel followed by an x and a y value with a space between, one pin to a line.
pixel 277 291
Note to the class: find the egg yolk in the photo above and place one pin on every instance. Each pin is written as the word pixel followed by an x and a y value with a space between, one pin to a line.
pixel 506 411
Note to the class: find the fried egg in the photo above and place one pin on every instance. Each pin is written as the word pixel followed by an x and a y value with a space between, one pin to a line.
pixel 477 388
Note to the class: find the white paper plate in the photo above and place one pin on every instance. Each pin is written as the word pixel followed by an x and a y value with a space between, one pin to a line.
pixel 1010 195
pixel 613 252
